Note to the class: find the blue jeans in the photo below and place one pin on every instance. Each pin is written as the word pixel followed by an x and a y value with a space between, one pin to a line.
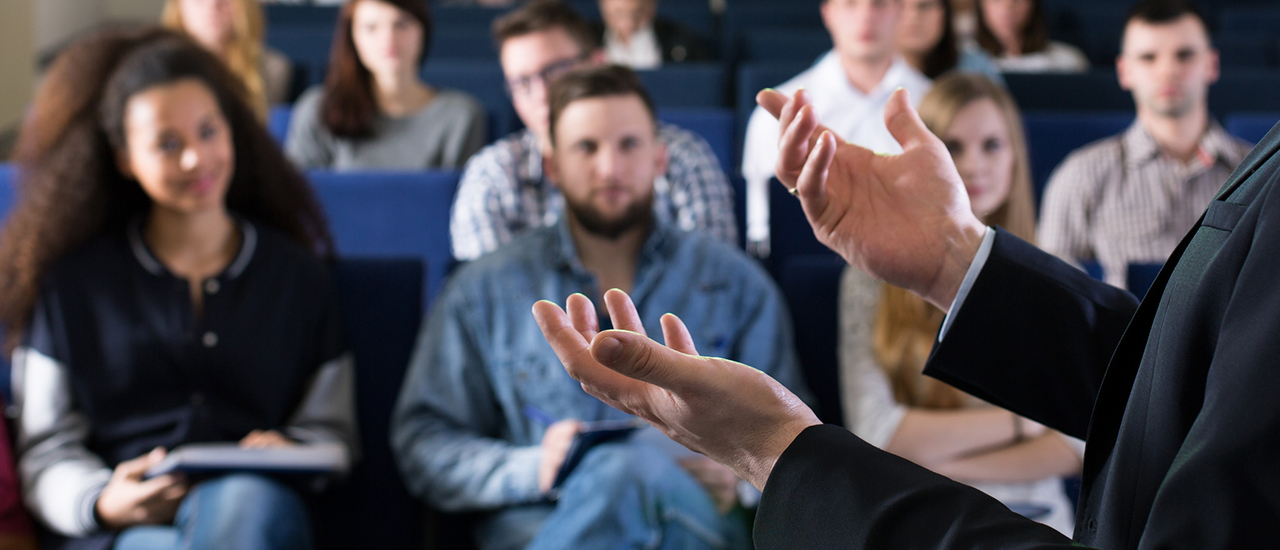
pixel 622 495
pixel 237 511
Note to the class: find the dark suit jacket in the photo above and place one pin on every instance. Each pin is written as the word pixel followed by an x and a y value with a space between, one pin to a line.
pixel 678 43
pixel 1183 424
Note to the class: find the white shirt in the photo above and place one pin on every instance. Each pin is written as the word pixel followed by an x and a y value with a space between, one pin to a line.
pixel 854 116
pixel 643 52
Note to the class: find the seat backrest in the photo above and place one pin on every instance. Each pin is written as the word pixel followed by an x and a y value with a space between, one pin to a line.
pixel 381 306
pixel 1053 135
pixel 307 45
pixel 462 44
pixel 278 120
pixel 1097 90
pixel 391 214
pixel 789 231
pixel 1245 90
pixel 714 125
pixel 811 286
pixel 1251 127
pixel 784 44
pixel 687 85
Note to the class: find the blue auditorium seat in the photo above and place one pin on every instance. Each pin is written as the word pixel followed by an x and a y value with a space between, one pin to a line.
pixel 286 14
pixel 1245 50
pixel 381 307
pixel 784 45
pixel 1249 19
pixel 687 85
pixel 714 125
pixel 745 17
pixel 465 17
pixel 789 231
pixel 1097 90
pixel 307 45
pixel 753 77
pixel 1240 90
pixel 739 186
pixel 449 44
pixel 1140 277
pixel 391 214
pixel 1051 136
pixel 1250 127
pixel 485 82
pixel 8 191
pixel 278 122
pixel 811 286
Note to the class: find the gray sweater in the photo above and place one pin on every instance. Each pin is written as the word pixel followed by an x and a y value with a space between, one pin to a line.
pixel 444 134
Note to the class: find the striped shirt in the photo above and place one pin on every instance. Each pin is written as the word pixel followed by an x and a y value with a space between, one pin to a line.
pixel 503 193
pixel 1120 201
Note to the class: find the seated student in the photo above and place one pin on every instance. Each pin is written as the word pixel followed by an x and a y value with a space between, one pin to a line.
pixel 374 111
pixel 927 39
pixel 1014 32
pixel 471 427
pixel 503 192
pixel 1130 198
pixel 887 332
pixel 232 30
pixel 849 87
pixel 632 34
pixel 165 284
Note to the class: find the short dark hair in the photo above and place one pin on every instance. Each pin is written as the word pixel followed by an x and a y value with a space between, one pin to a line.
pixel 592 82
pixel 1156 12
pixel 543 15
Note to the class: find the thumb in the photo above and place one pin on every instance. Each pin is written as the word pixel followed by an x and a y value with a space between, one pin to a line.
pixel 904 122
pixel 636 356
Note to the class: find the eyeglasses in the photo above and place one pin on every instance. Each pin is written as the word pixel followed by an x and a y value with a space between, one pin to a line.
pixel 523 85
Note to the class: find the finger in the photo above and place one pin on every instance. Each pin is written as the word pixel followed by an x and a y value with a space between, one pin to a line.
pixel 794 144
pixel 772 101
pixel 676 335
pixel 904 122
pixel 623 312
pixel 583 314
pixel 575 354
pixel 811 185
pixel 640 358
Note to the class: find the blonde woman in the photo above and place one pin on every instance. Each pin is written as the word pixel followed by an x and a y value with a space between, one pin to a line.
pixel 887 332
pixel 233 30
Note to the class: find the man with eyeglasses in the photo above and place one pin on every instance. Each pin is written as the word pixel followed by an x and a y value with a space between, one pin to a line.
pixel 504 191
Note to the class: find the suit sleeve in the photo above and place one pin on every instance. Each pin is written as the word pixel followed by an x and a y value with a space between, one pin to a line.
pixel 1034 336
pixel 830 489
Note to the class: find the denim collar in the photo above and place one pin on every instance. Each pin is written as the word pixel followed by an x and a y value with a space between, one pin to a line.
pixel 658 247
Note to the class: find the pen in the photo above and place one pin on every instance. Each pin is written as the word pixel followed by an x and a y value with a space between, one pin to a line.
pixel 538 415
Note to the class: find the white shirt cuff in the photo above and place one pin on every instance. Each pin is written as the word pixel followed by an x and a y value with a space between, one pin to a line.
pixel 979 260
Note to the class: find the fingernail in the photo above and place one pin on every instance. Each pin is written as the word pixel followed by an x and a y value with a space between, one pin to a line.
pixel 608 349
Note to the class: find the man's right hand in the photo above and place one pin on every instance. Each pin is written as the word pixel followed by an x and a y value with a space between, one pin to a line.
pixel 555 448
pixel 129 500
pixel 904 219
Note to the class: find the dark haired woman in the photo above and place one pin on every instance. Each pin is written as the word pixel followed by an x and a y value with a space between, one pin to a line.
pixel 162 272
pixel 373 110
pixel 1014 32
pixel 927 40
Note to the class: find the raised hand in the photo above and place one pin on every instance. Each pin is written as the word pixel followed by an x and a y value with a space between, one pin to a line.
pixel 732 413
pixel 904 219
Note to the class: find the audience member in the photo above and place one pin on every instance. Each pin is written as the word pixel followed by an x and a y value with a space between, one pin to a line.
pixel 848 86
pixel 503 191
pixel 887 332
pixel 471 427
pixel 163 287
pixel 927 39
pixel 1130 198
pixel 374 111
pixel 1015 33
pixel 632 34
pixel 233 30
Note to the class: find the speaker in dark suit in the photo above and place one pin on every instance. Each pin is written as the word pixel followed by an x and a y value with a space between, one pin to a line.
pixel 1179 398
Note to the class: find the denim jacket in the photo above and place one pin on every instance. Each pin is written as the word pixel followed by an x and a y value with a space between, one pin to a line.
pixel 460 433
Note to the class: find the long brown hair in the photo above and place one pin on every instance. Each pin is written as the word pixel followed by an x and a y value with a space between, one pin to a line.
pixel 1035 35
pixel 349 107
pixel 905 324
pixel 945 55
pixel 244 57
pixel 70 188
